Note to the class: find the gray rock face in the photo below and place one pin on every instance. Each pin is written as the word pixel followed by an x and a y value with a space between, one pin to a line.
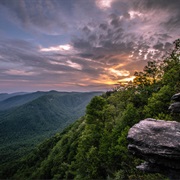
pixel 175 107
pixel 158 143
pixel 176 97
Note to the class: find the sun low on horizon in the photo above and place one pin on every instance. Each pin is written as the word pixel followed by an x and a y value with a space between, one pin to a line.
pixel 82 45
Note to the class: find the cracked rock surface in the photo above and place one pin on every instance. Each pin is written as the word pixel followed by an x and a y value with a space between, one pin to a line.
pixel 158 143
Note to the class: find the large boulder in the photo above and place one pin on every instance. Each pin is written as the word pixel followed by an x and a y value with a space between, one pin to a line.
pixel 158 143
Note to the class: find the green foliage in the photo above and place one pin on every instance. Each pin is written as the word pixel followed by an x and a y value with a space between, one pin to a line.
pixel 35 117
pixel 95 147
pixel 129 117
pixel 94 110
pixel 159 102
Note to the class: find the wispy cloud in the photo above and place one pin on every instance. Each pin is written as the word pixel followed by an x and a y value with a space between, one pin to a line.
pixel 65 47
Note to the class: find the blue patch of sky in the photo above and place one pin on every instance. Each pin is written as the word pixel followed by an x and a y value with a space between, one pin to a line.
pixel 53 40
pixel 12 30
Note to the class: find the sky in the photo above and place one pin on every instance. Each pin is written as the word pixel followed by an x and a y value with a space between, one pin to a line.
pixel 81 45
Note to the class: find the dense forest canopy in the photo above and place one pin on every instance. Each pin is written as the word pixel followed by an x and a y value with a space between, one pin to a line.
pixel 26 120
pixel 95 146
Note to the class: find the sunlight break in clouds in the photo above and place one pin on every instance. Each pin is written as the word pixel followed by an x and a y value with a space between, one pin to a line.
pixel 119 73
pixel 104 4
pixel 67 63
pixel 126 80
pixel 104 79
pixel 134 14
pixel 65 47
pixel 74 65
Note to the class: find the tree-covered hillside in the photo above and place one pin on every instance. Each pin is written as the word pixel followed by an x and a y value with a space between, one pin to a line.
pixel 95 146
pixel 38 116
pixel 9 101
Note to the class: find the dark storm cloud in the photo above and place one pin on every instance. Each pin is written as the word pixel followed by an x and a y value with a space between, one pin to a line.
pixel 36 14
pixel 163 37
pixel 172 7
pixel 158 4
pixel 82 44
pixel 123 32
pixel 101 45
pixel 103 26
pixel 159 46
pixel 115 20
pixel 173 22
pixel 86 30
pixel 50 17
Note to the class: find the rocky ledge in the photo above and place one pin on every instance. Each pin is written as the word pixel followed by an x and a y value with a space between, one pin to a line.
pixel 158 143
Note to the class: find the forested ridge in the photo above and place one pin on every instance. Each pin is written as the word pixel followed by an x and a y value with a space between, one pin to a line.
pixel 95 146
pixel 26 120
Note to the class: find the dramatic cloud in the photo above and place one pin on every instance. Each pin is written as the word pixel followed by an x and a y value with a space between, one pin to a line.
pixel 81 45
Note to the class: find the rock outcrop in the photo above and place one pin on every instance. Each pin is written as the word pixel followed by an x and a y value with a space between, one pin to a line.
pixel 175 107
pixel 176 97
pixel 158 143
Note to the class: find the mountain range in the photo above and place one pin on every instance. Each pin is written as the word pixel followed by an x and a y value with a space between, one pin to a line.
pixel 28 118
